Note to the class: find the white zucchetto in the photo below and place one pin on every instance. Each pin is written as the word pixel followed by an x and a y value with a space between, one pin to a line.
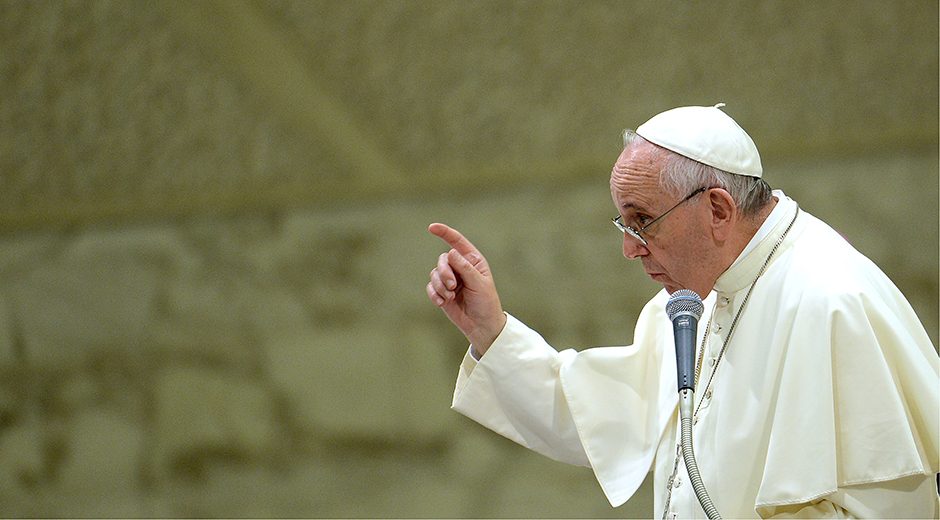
pixel 707 135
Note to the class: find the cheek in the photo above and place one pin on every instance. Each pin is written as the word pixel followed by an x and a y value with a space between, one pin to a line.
pixel 680 264
pixel 684 258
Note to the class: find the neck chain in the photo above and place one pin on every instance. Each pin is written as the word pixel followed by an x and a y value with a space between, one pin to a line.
pixel 698 368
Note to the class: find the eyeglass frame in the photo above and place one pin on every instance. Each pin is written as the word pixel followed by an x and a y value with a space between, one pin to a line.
pixel 635 233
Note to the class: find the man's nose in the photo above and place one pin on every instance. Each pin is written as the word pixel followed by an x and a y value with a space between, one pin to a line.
pixel 633 248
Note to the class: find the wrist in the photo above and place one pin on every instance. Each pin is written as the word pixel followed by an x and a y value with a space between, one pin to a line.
pixel 485 340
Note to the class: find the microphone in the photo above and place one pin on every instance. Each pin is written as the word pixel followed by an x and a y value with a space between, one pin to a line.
pixel 684 310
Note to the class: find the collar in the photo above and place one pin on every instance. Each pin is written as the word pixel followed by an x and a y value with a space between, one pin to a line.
pixel 745 268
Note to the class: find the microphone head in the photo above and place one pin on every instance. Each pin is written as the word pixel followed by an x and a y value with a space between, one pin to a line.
pixel 684 301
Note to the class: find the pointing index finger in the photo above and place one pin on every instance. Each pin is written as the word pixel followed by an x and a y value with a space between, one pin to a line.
pixel 454 238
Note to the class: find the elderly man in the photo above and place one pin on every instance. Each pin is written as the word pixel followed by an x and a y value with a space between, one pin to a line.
pixel 817 385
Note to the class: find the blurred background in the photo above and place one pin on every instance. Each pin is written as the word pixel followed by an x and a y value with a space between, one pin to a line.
pixel 213 214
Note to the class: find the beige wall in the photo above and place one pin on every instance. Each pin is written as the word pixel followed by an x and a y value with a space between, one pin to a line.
pixel 212 229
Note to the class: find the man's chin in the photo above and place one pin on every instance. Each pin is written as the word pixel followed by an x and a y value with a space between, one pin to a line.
pixel 668 283
pixel 671 287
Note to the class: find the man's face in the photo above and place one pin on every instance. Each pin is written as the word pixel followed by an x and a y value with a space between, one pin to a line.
pixel 677 250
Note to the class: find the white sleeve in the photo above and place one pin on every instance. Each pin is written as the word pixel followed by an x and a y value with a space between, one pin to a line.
pixel 515 390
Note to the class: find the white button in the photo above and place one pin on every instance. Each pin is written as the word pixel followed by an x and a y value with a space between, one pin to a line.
pixel 708 394
pixel 678 482
pixel 712 361
pixel 716 329
pixel 723 301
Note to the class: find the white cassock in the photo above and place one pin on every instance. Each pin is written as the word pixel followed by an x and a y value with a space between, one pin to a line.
pixel 825 401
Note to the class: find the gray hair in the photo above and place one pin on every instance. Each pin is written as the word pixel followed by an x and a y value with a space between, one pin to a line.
pixel 681 176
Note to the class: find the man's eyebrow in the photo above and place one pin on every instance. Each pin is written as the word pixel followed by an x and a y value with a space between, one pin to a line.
pixel 633 206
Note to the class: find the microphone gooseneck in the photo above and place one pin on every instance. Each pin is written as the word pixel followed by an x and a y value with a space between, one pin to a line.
pixel 684 310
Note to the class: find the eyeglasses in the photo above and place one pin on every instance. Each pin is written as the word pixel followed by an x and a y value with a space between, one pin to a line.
pixel 635 233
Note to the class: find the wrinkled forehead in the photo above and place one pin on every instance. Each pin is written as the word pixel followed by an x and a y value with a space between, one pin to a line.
pixel 636 175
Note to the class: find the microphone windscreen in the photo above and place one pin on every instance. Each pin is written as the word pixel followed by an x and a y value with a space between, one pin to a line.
pixel 684 301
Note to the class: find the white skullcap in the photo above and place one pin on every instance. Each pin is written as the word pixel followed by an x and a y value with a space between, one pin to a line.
pixel 707 135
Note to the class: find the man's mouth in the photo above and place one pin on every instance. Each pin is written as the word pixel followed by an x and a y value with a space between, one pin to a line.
pixel 660 277
pixel 656 274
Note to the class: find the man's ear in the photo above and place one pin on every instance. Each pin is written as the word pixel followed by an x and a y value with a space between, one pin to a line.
pixel 724 213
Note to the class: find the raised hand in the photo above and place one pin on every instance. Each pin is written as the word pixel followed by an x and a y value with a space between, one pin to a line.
pixel 462 285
